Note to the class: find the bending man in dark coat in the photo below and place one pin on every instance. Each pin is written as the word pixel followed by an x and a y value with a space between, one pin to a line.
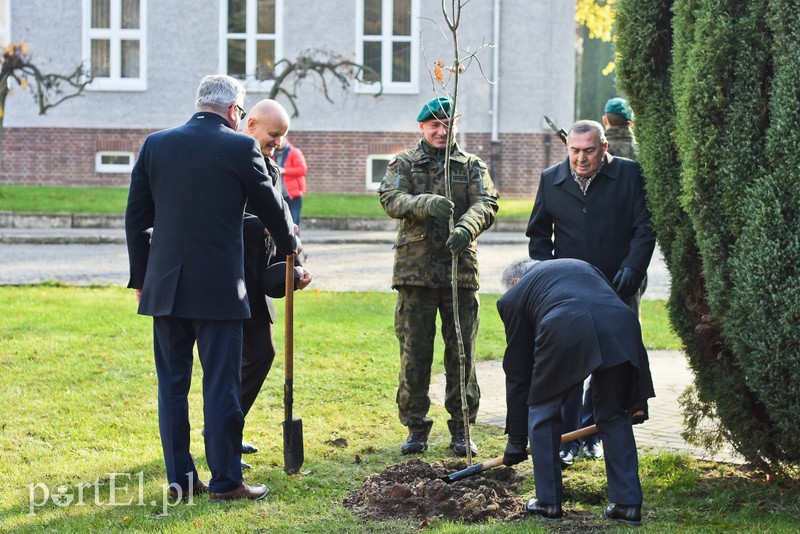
pixel 190 185
pixel 564 321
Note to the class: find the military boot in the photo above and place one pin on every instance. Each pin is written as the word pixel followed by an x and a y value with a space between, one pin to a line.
pixel 458 442
pixel 415 443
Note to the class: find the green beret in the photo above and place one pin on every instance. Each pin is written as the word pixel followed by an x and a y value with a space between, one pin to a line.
pixel 619 106
pixel 438 108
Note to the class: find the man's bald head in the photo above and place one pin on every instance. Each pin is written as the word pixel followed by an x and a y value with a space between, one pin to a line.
pixel 267 122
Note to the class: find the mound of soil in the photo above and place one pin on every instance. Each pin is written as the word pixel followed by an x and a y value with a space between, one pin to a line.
pixel 414 489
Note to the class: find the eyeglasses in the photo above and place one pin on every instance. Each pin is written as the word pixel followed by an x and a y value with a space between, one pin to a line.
pixel 242 112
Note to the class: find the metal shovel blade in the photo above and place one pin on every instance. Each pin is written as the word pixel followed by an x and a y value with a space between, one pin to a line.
pixel 292 446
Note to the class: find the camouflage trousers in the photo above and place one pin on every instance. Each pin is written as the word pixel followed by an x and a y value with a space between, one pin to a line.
pixel 415 327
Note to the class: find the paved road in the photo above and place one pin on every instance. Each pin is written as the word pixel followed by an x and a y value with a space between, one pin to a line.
pixel 339 260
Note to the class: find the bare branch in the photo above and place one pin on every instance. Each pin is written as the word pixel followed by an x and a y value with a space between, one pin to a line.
pixel 49 89
pixel 288 75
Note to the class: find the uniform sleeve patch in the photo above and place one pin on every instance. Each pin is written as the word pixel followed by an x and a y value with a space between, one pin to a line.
pixel 391 162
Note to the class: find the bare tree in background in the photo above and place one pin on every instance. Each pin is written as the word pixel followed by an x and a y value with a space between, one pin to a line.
pixel 326 66
pixel 49 89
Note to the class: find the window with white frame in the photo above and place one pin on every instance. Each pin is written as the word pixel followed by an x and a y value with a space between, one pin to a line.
pixel 387 41
pixel 251 39
pixel 5 23
pixel 108 161
pixel 376 169
pixel 115 44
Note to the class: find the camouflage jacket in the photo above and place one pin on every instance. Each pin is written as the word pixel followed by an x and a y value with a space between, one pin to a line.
pixel 621 142
pixel 412 178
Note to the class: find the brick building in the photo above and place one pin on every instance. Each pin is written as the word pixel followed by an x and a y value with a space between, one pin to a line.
pixel 148 56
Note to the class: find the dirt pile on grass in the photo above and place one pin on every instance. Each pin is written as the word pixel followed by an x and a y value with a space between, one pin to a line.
pixel 414 489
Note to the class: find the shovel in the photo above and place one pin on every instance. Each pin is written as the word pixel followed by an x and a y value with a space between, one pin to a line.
pixel 292 428
pixel 494 462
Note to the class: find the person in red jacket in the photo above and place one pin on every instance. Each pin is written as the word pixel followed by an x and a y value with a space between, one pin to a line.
pixel 293 167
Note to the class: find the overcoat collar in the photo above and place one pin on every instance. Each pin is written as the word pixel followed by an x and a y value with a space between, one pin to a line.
pixel 210 117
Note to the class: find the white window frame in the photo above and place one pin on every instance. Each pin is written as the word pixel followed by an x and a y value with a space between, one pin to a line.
pixel 101 167
pixel 371 184
pixel 386 38
pixel 5 30
pixel 116 35
pixel 251 37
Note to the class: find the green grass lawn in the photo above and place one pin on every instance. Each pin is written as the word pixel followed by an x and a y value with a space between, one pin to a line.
pixel 40 199
pixel 78 404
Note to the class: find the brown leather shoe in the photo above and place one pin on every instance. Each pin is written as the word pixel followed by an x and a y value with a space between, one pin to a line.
pixel 199 488
pixel 254 493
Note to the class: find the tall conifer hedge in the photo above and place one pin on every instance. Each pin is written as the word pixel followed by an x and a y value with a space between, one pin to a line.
pixel 715 85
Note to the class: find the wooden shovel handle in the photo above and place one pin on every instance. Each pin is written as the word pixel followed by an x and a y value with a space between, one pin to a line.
pixel 569 436
pixel 289 320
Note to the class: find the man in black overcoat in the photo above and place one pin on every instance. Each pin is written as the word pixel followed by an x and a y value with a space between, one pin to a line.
pixel 183 226
pixel 563 322
pixel 591 206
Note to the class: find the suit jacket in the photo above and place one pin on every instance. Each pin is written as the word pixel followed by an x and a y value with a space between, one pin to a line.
pixel 190 185
pixel 608 227
pixel 563 320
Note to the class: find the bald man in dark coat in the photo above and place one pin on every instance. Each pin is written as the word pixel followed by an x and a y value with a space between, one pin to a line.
pixel 563 322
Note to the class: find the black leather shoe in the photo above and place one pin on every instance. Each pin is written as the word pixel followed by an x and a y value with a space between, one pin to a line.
pixel 567 458
pixel 624 514
pixel 248 448
pixel 458 443
pixel 415 443
pixel 547 511
pixel 245 465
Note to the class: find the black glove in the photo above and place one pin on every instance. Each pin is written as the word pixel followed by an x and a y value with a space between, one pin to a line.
pixel 440 208
pixel 639 412
pixel 627 282
pixel 516 450
pixel 459 240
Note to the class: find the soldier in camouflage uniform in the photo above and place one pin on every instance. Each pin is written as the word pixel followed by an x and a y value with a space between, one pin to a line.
pixel 413 191
pixel 617 121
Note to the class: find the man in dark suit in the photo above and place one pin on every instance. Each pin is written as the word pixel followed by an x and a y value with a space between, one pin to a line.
pixel 564 321
pixel 592 207
pixel 189 185
pixel 267 122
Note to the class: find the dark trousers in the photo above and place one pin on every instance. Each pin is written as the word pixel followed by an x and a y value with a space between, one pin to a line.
pixel 258 353
pixel 611 402
pixel 577 410
pixel 295 207
pixel 219 345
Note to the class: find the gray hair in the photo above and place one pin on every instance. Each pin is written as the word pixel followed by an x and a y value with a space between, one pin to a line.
pixel 586 126
pixel 217 92
pixel 517 269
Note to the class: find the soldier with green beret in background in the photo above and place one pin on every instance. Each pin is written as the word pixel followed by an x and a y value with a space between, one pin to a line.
pixel 414 191
pixel 617 121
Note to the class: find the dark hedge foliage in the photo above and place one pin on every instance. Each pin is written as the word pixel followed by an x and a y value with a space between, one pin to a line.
pixel 715 85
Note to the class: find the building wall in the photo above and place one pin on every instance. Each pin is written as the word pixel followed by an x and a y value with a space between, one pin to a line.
pixel 336 160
